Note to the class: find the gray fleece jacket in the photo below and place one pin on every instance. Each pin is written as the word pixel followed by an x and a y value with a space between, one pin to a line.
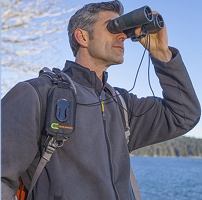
pixel 94 163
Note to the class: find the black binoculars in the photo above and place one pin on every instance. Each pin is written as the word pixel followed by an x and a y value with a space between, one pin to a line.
pixel 142 17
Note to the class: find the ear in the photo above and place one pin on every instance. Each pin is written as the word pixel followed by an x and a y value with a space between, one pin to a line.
pixel 82 37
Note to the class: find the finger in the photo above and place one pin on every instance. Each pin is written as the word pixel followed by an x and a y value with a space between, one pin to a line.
pixel 155 12
pixel 138 31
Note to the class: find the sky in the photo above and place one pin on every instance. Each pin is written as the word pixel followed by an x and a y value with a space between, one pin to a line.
pixel 183 22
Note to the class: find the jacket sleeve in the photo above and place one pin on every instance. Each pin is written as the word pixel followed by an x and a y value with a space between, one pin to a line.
pixel 20 135
pixel 153 119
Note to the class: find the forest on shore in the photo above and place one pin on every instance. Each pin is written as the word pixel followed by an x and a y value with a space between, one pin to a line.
pixel 181 146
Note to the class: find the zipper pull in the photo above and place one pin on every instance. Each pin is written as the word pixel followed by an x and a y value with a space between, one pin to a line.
pixel 102 103
pixel 102 106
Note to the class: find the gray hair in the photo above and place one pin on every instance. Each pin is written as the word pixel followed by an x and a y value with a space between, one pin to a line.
pixel 87 16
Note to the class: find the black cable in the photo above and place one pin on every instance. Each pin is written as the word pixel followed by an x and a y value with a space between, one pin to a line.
pixel 149 81
pixel 147 46
pixel 137 73
pixel 113 97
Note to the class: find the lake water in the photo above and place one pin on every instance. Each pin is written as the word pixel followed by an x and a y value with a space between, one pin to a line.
pixel 165 178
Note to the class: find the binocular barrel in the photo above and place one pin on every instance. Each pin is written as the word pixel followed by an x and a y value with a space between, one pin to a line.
pixel 141 17
pixel 155 25
pixel 132 19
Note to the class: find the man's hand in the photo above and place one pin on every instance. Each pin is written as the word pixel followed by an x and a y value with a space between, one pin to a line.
pixel 158 44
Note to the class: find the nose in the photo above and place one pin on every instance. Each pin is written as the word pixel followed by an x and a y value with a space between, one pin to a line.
pixel 121 36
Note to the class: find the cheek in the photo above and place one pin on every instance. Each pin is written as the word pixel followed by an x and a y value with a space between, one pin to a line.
pixel 94 49
pixel 97 47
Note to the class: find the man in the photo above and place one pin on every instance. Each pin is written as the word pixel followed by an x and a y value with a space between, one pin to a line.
pixel 94 163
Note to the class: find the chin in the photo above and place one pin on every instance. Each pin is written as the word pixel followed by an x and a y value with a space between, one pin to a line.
pixel 117 62
pixel 120 61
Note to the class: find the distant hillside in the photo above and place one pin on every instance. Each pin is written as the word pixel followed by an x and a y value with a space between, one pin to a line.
pixel 181 146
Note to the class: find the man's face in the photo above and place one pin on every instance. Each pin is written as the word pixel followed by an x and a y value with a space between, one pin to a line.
pixel 105 47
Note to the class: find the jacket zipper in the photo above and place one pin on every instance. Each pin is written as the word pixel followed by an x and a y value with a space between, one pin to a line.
pixel 108 147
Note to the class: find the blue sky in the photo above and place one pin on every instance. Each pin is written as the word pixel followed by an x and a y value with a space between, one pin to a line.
pixel 183 21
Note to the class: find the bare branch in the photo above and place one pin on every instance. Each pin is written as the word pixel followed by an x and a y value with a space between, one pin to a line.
pixel 26 26
pixel 28 30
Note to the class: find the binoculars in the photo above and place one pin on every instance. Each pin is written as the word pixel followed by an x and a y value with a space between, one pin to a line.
pixel 142 17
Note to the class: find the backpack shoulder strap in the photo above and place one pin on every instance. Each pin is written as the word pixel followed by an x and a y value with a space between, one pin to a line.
pixel 59 119
pixel 123 108
pixel 127 134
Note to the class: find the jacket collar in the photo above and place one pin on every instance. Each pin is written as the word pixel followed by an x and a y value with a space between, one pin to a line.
pixel 85 76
